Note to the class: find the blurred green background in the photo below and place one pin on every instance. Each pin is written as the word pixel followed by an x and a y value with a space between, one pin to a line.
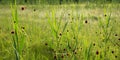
pixel 57 1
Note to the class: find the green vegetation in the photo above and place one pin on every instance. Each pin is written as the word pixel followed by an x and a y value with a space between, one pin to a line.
pixel 56 2
pixel 54 30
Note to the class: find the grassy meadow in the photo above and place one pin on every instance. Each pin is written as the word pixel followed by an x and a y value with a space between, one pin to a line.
pixel 85 31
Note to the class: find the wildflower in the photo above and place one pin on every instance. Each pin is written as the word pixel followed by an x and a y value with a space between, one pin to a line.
pixel 23 27
pixel 97 52
pixel 93 44
pixel 67 54
pixel 115 56
pixel 55 57
pixel 69 47
pixel 64 49
pixel 73 37
pixel 112 51
pixel 75 52
pixel 81 48
pixel 105 15
pixel 14 21
pixel 46 44
pixel 86 21
pixel 119 39
pixel 67 30
pixel 116 35
pixel 34 9
pixel 62 56
pixel 60 34
pixel 12 32
pixel 22 8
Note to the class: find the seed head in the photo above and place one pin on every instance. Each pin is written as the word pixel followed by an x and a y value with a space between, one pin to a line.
pixel 93 44
pixel 12 32
pixel 34 9
pixel 14 21
pixel 116 35
pixel 97 52
pixel 62 56
pixel 22 8
pixel 119 39
pixel 69 47
pixel 86 21
pixel 46 44
pixel 55 57
pixel 23 27
pixel 105 15
pixel 81 48
pixel 64 49
pixel 115 56
pixel 73 37
pixel 75 52
pixel 60 34
pixel 67 30
pixel 112 51
pixel 67 54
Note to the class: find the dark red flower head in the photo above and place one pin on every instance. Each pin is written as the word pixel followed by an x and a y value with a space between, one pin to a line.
pixel 67 54
pixel 116 35
pixel 67 30
pixel 112 51
pixel 86 21
pixel 73 37
pixel 105 15
pixel 115 56
pixel 22 8
pixel 14 21
pixel 62 56
pixel 12 32
pixel 93 44
pixel 75 52
pixel 119 39
pixel 60 34
pixel 23 27
pixel 46 44
pixel 97 52
pixel 55 57
pixel 64 49
pixel 34 9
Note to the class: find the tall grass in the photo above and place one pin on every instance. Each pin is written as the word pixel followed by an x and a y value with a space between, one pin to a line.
pixel 67 37
pixel 18 40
